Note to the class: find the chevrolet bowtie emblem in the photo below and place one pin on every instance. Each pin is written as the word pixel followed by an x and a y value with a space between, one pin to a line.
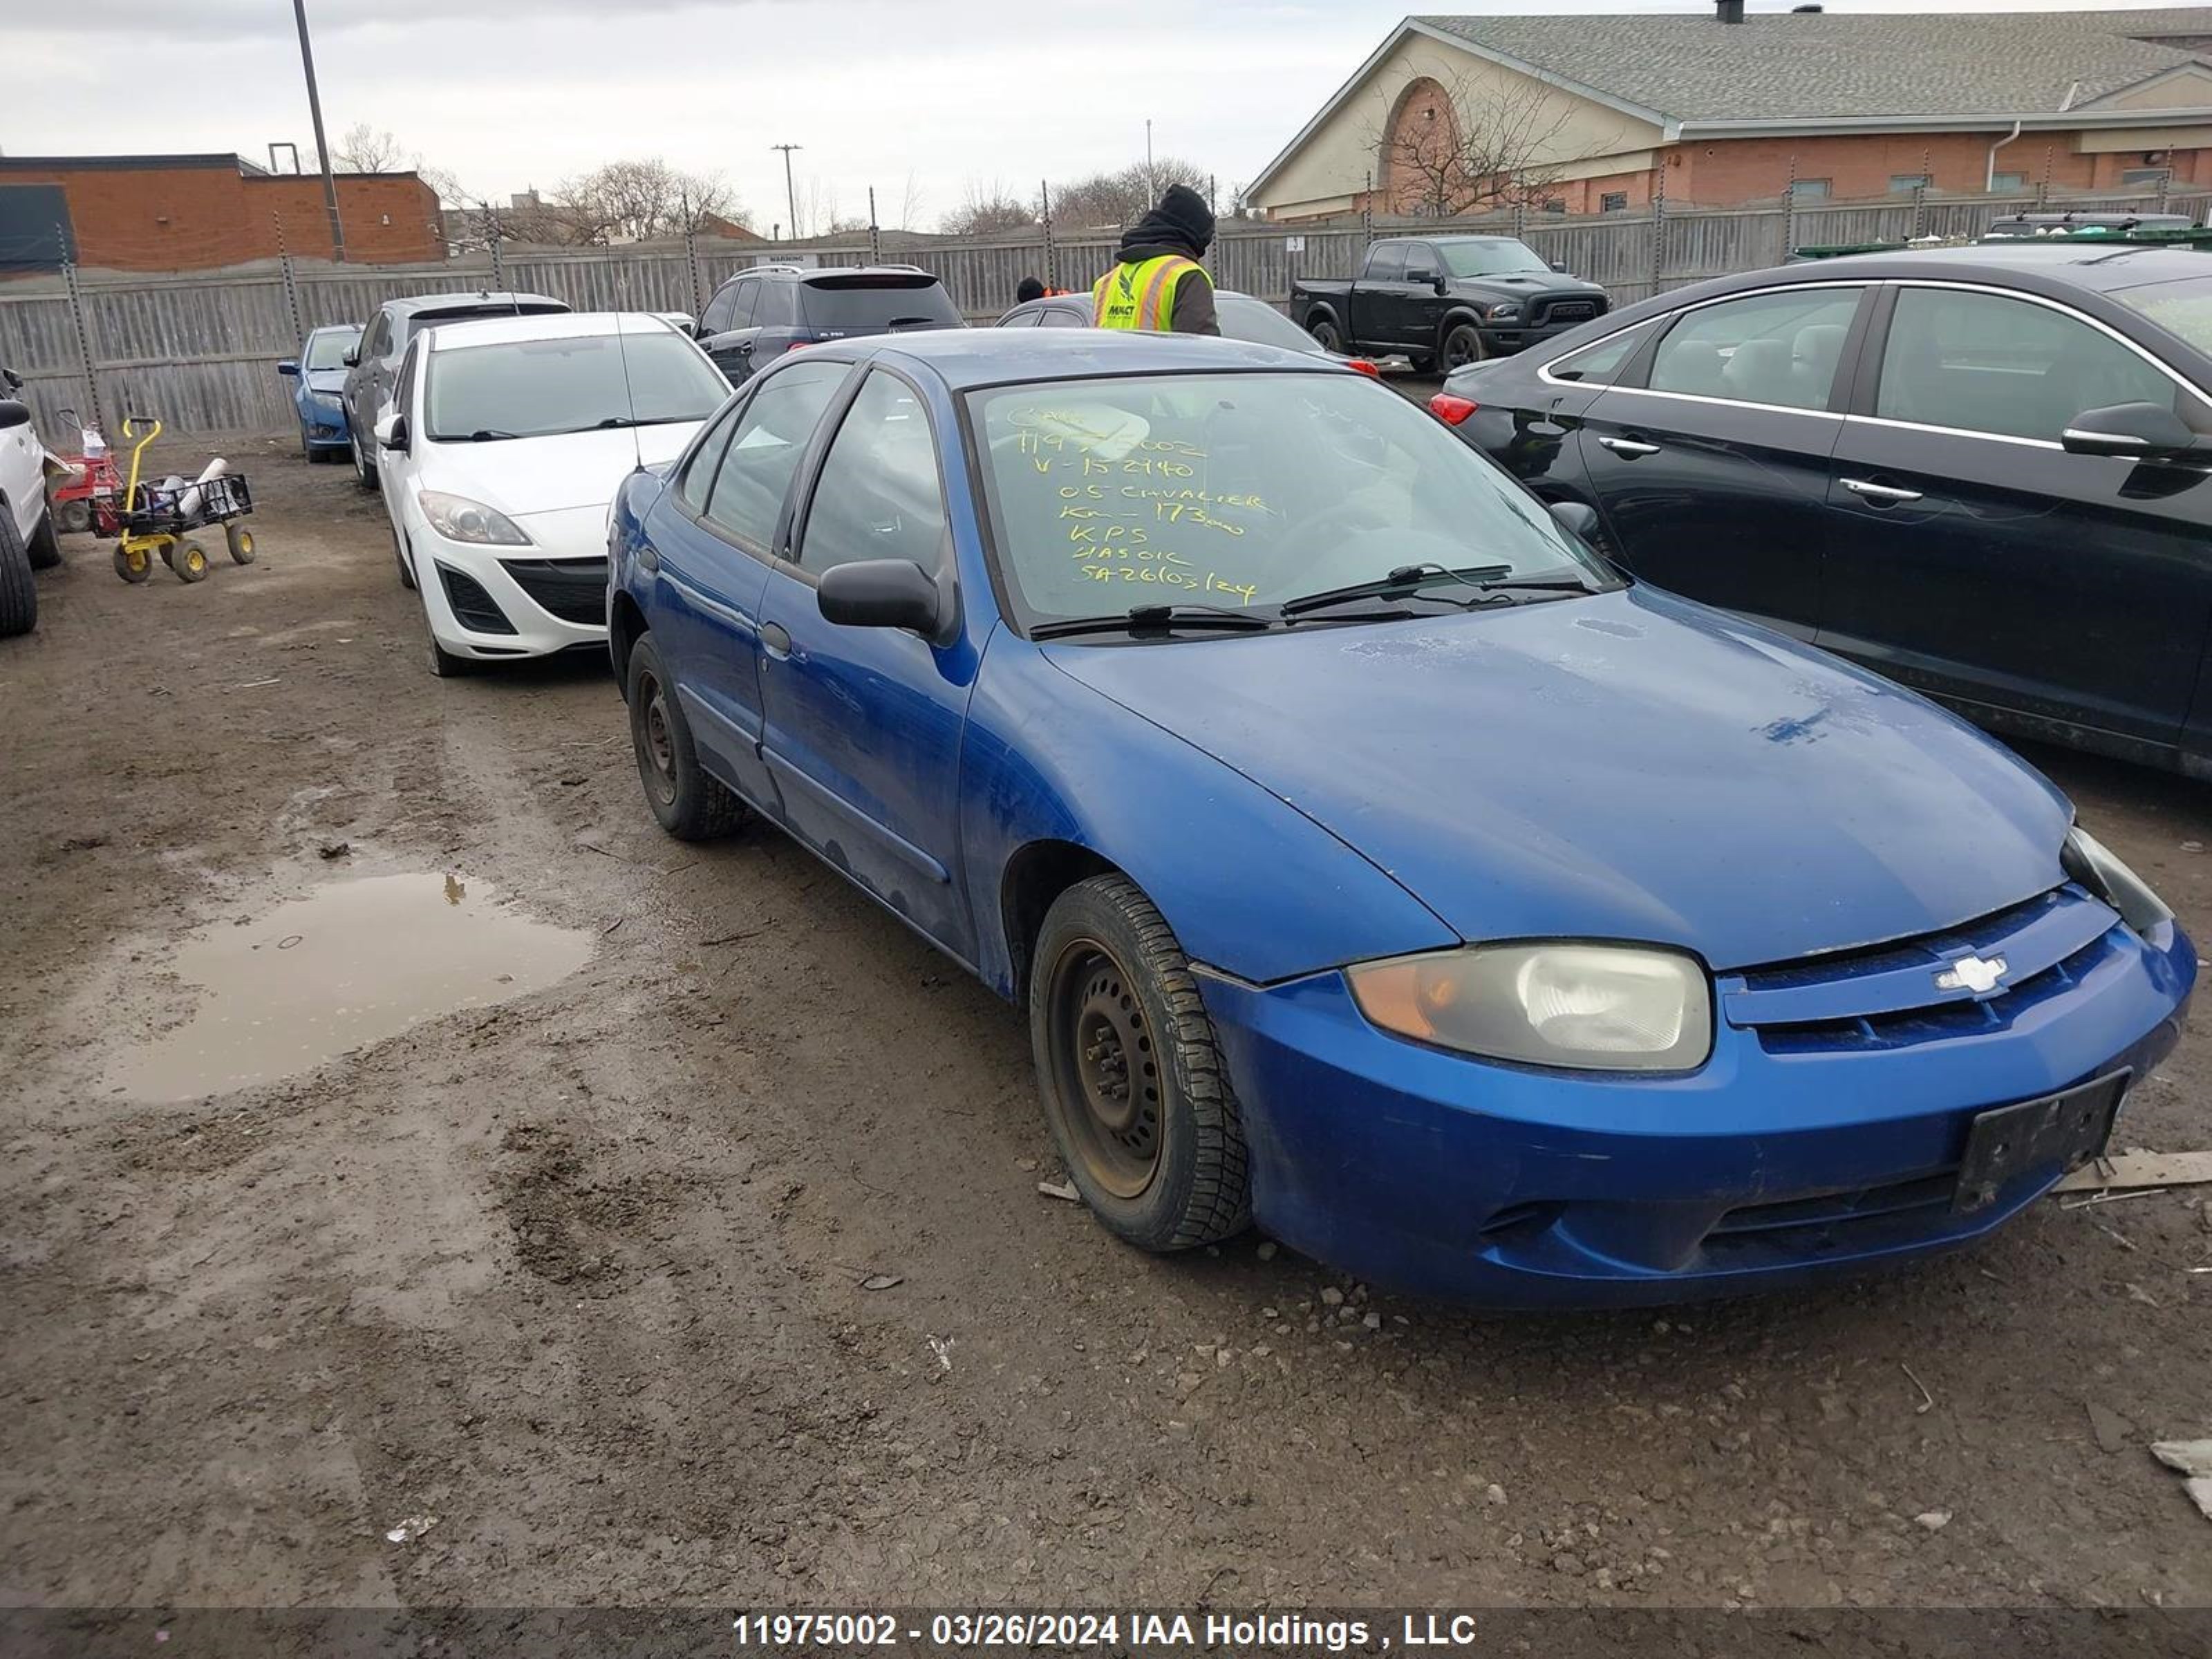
pixel 1973 974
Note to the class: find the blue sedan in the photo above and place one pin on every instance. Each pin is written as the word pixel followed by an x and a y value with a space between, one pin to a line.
pixel 1374 862
pixel 318 377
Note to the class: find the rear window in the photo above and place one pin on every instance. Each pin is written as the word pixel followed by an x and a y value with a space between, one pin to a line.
pixel 874 303
pixel 412 324
pixel 2183 308
pixel 1243 318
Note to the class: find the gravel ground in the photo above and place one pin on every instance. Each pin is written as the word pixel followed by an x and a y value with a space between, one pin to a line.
pixel 582 1278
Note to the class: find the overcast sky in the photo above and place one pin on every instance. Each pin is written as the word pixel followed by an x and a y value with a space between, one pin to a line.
pixel 509 94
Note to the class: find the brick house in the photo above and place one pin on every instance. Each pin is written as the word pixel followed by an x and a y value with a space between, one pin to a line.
pixel 1590 114
pixel 194 212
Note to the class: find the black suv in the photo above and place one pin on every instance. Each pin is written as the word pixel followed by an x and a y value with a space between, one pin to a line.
pixel 1985 471
pixel 759 314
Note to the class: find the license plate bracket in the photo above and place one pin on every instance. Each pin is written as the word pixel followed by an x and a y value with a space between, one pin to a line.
pixel 2067 1128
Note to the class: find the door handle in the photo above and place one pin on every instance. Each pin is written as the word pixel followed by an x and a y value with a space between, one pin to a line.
pixel 1880 492
pixel 1629 448
pixel 775 639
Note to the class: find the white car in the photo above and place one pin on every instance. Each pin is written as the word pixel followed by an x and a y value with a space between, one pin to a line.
pixel 26 523
pixel 505 442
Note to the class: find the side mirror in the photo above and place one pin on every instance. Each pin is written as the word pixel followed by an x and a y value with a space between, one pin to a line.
pixel 353 357
pixel 289 368
pixel 391 433
pixel 2140 431
pixel 1421 274
pixel 15 381
pixel 880 594
pixel 14 414
pixel 1560 265
pixel 1577 516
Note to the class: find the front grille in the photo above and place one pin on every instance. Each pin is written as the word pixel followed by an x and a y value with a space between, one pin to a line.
pixel 574 590
pixel 1569 311
pixel 1895 1213
pixel 473 608
pixel 1885 996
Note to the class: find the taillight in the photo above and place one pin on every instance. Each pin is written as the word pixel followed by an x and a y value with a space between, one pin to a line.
pixel 1365 367
pixel 1451 410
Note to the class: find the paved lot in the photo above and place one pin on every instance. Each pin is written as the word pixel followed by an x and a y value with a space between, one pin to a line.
pixel 581 1277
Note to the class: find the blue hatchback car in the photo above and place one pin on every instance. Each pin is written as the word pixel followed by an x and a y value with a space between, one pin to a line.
pixel 318 377
pixel 1373 861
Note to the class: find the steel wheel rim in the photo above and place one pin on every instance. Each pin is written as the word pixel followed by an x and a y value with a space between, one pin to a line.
pixel 1105 1068
pixel 1325 335
pixel 1459 351
pixel 656 745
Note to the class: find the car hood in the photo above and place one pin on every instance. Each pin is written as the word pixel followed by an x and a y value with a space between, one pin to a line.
pixel 1520 285
pixel 1629 766
pixel 329 380
pixel 523 475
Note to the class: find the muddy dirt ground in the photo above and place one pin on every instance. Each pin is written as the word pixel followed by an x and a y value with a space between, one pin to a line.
pixel 581 1277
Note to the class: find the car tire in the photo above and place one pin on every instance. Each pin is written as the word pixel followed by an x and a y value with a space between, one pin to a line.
pixel 364 473
pixel 307 449
pixel 1462 344
pixel 73 518
pixel 399 557
pixel 444 664
pixel 1136 1093
pixel 19 594
pixel 1327 335
pixel 44 548
pixel 688 804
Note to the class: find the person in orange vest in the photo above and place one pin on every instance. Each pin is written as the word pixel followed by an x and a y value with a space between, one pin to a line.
pixel 1157 282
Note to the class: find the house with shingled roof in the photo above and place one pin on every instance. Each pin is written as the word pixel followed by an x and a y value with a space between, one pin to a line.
pixel 1722 104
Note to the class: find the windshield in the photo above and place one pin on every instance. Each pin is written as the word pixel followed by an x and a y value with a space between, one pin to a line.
pixel 532 388
pixel 1242 491
pixel 2183 308
pixel 871 304
pixel 1243 318
pixel 1500 256
pixel 326 348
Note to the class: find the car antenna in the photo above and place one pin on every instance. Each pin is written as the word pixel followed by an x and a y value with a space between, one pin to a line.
pixel 630 393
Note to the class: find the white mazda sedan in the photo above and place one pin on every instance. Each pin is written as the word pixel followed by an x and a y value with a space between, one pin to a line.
pixel 505 441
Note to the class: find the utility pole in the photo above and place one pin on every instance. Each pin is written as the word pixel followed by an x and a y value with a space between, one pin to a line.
pixel 790 193
pixel 322 144
pixel 1152 182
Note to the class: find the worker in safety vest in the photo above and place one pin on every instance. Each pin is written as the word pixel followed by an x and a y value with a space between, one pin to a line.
pixel 1159 283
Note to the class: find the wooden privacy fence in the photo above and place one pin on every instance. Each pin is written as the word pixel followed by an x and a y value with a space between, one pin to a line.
pixel 201 349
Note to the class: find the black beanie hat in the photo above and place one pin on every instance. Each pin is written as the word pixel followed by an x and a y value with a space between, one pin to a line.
pixel 1185 209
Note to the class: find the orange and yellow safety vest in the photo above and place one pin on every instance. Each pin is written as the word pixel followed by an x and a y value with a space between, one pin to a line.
pixel 1140 296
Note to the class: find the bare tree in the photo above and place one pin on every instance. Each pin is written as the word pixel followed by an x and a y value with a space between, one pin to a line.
pixel 911 202
pixel 1474 144
pixel 986 207
pixel 817 210
pixel 637 201
pixel 365 150
pixel 1111 200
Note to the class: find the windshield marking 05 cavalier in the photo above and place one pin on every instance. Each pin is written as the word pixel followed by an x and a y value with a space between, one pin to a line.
pixel 1373 861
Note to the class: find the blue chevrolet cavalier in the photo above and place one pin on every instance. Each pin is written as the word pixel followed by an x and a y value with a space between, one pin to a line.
pixel 318 377
pixel 1375 862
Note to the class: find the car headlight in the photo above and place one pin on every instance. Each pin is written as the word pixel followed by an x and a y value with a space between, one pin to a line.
pixel 2095 866
pixel 1504 313
pixel 1590 1007
pixel 458 519
pixel 329 402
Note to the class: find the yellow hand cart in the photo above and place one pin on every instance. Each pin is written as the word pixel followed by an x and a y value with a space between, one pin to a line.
pixel 157 518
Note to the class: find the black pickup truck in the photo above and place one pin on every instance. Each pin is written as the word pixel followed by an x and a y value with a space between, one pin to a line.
pixel 1448 301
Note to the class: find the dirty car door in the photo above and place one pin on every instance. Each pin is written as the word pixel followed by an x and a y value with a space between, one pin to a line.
pixel 711 536
pixel 864 724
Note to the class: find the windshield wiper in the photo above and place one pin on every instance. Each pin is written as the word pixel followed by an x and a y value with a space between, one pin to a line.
pixel 643 420
pixel 1403 580
pixel 1537 586
pixel 1139 619
pixel 484 435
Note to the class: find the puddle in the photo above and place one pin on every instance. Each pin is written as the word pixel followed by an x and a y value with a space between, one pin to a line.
pixel 353 963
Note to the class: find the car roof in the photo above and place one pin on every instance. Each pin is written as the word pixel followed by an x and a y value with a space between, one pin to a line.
pixel 966 357
pixel 2048 265
pixel 542 325
pixel 335 328
pixel 415 302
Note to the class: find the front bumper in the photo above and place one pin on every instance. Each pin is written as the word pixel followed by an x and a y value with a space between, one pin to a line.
pixel 1509 1187
pixel 551 598
pixel 323 428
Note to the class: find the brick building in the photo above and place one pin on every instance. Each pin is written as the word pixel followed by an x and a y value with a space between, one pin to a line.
pixel 193 212
pixel 1593 114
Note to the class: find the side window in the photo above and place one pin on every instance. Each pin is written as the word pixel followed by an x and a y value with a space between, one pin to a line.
pixel 1422 264
pixel 1023 319
pixel 692 488
pixel 779 304
pixel 379 333
pixel 745 300
pixel 1981 363
pixel 403 400
pixel 1386 263
pixel 878 497
pixel 716 319
pixel 1064 317
pixel 746 497
pixel 1596 365
pixel 1778 349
